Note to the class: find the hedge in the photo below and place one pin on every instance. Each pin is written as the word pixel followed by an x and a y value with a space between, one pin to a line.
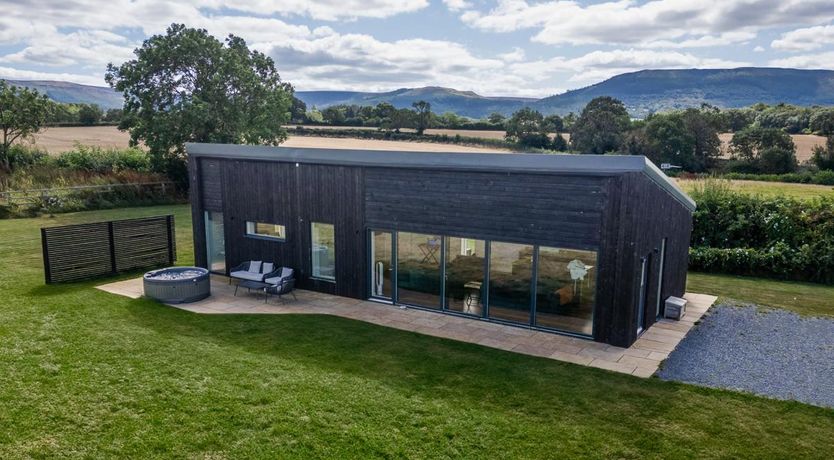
pixel 774 237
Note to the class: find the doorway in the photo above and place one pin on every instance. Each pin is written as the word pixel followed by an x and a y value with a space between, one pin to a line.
pixel 215 242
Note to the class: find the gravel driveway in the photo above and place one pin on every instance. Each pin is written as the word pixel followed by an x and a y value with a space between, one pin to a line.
pixel 773 353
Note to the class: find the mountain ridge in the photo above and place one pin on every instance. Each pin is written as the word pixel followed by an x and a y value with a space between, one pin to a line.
pixel 643 92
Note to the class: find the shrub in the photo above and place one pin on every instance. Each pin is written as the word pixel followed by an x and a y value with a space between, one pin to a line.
pixel 99 160
pixel 775 237
pixel 21 156
pixel 823 157
pixel 776 160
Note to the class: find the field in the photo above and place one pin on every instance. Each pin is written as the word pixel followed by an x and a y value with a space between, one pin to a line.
pixel 86 374
pixel 768 189
pixel 56 140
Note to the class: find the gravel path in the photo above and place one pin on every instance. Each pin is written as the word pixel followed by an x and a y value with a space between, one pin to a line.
pixel 773 353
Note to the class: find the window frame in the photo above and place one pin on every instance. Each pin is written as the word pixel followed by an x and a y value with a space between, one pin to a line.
pixel 260 236
pixel 312 248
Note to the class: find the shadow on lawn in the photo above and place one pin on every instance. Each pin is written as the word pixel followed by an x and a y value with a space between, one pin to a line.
pixel 431 366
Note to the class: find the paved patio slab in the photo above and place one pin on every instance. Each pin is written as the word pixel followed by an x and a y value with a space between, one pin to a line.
pixel 641 359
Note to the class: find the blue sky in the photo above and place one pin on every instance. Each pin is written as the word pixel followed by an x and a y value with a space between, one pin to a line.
pixel 525 48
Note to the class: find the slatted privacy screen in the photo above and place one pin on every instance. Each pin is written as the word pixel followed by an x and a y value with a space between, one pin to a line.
pixel 84 251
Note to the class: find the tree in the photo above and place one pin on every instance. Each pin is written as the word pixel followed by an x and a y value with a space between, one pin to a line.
pixel 496 118
pixel 553 124
pixel 526 127
pixel 423 118
pixel 113 115
pixel 822 121
pixel 298 111
pixel 334 115
pixel 749 142
pixel 601 126
pixel 187 86
pixel 89 114
pixel 824 156
pixel 23 112
pixel 398 119
pixel 766 150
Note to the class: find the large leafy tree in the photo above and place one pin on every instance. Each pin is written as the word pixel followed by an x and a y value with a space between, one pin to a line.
pixel 422 119
pixel 23 112
pixel 526 127
pixel 601 126
pixel 187 86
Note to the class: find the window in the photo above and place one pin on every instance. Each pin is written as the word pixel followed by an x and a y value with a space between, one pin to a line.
pixel 465 275
pixel 263 230
pixel 510 276
pixel 323 251
pixel 418 269
pixel 566 289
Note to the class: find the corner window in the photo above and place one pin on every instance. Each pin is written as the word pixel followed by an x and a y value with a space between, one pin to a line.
pixel 268 231
pixel 323 251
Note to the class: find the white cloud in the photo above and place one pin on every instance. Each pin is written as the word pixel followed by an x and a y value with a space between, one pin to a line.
pixel 806 39
pixel 628 22
pixel 759 49
pixel 457 5
pixel 329 10
pixel 823 60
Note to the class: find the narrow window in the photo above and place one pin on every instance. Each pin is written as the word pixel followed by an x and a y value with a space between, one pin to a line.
pixel 323 251
pixel 264 230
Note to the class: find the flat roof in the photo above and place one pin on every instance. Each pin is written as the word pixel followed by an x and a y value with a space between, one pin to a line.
pixel 565 164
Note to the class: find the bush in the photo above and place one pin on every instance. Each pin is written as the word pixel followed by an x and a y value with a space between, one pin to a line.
pixel 99 160
pixel 775 237
pixel 775 160
pixel 21 156
pixel 806 177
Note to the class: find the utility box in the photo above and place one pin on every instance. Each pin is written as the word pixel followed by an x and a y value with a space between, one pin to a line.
pixel 675 308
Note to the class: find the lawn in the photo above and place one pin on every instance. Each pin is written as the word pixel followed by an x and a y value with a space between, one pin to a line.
pixel 767 189
pixel 88 374
pixel 803 298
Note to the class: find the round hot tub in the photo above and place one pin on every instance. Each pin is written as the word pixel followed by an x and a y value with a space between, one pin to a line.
pixel 177 284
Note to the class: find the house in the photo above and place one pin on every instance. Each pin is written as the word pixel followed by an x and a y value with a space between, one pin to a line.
pixel 574 244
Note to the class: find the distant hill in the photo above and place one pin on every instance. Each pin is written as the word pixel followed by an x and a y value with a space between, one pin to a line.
pixel 66 92
pixel 642 92
pixel 650 91
pixel 465 103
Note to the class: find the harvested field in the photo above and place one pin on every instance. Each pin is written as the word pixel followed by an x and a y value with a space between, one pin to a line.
pixel 57 140
pixel 804 145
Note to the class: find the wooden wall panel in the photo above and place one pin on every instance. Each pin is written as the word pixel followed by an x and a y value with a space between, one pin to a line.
pixel 546 209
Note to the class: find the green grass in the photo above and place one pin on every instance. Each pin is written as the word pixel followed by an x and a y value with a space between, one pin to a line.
pixel 768 189
pixel 88 374
pixel 803 298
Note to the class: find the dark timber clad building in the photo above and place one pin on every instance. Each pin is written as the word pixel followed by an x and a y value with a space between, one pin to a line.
pixel 577 244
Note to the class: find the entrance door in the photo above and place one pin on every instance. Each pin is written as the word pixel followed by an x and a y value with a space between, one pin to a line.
pixel 658 307
pixel 641 303
pixel 215 242
pixel 382 265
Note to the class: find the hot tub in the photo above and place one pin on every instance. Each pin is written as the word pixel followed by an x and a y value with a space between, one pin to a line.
pixel 177 284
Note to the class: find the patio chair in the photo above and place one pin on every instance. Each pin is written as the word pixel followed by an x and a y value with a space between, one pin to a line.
pixel 283 283
pixel 253 270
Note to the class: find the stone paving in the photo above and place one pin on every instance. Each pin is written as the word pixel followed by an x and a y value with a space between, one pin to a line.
pixel 641 359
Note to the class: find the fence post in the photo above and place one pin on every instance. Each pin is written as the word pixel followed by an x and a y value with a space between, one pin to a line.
pixel 46 270
pixel 112 247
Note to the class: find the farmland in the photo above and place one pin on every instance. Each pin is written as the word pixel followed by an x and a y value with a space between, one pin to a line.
pixel 56 140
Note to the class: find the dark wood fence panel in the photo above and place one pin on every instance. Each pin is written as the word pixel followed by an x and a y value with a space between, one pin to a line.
pixel 84 251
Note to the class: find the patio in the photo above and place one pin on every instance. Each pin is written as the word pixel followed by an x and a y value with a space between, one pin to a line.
pixel 641 359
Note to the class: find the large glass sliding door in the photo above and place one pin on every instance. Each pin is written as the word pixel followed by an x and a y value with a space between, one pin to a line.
pixel 566 289
pixel 510 276
pixel 382 265
pixel 465 275
pixel 418 269
pixel 540 286
pixel 215 242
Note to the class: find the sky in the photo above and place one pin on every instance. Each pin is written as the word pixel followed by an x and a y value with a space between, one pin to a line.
pixel 495 48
